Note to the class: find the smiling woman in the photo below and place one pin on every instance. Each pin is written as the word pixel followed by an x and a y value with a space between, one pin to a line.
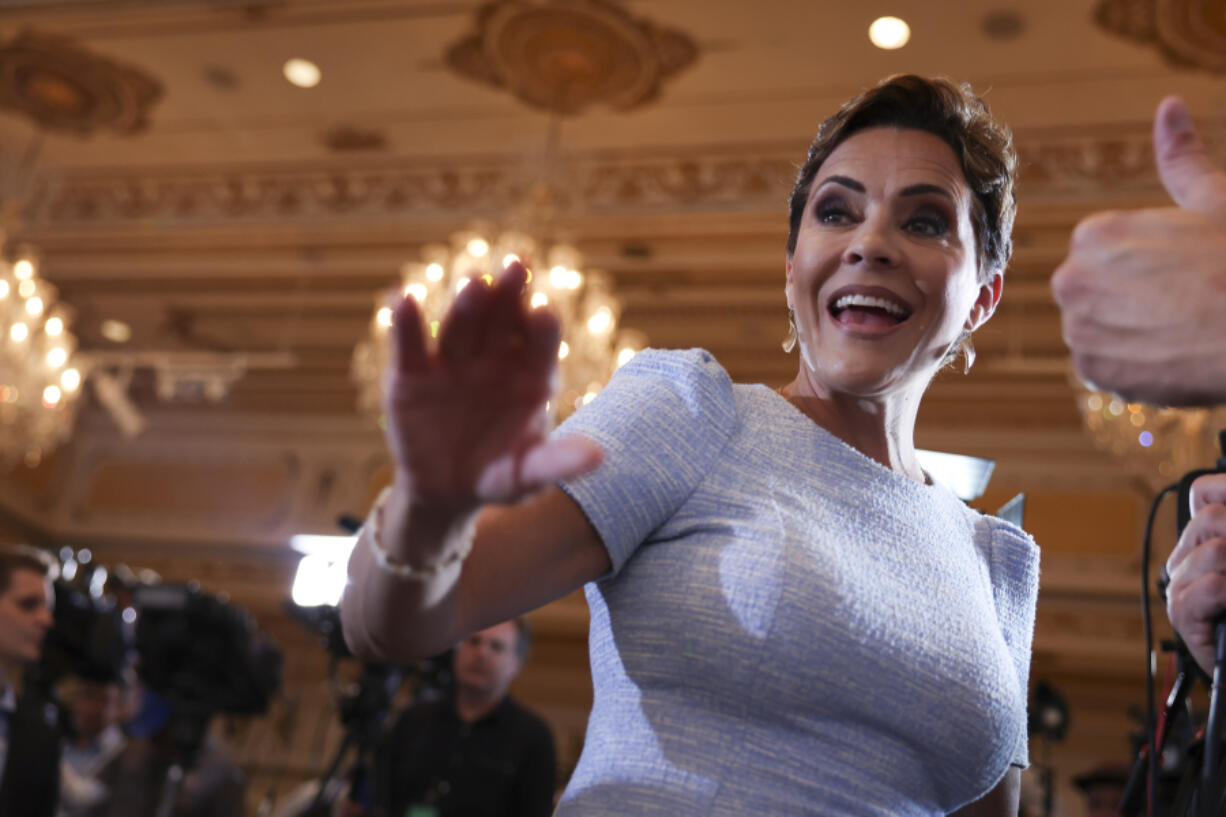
pixel 781 598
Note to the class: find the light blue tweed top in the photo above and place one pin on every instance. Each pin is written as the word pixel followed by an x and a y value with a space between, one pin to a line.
pixel 789 627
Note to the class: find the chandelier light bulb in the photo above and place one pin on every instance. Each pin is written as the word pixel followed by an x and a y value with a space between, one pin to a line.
pixel 563 350
pixel 538 300
pixel 4 289
pixel 57 357
pixel 19 332
pixel 34 307
pixel 558 277
pixel 509 259
pixel 417 291
pixel 23 270
pixel 600 322
pixel 434 273
pixel 27 288
pixel 54 327
pixel 623 356
pixel 460 284
pixel 574 279
pixel 588 397
pixel 889 33
pixel 478 247
pixel 115 331
pixel 70 379
pixel 303 73
pixel 52 396
pixel 384 316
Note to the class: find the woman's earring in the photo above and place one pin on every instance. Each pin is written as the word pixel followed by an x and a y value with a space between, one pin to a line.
pixel 968 354
pixel 789 343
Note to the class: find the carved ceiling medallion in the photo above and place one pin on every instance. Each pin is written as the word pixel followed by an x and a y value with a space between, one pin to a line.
pixel 1189 33
pixel 63 87
pixel 566 55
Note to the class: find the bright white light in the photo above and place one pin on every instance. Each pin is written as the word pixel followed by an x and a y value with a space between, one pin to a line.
pixel 34 307
pixel 384 316
pixel 335 548
pixel 623 357
pixel 51 396
pixel 563 350
pixel 4 289
pixel 478 247
pixel 57 357
pixel 27 288
pixel 889 33
pixel 418 291
pixel 557 277
pixel 19 332
pixel 303 73
pixel 70 379
pixel 54 327
pixel 460 284
pixel 509 259
pixel 115 331
pixel 318 581
pixel 538 300
pixel 589 397
pixel 434 272
pixel 23 270
pixel 574 279
pixel 600 322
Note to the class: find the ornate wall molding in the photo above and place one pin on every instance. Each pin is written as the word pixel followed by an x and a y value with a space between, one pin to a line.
pixel 1188 33
pixel 753 178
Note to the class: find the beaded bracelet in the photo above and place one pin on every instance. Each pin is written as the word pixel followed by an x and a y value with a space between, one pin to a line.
pixel 402 570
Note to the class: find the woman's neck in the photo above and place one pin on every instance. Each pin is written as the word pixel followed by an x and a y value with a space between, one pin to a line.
pixel 880 428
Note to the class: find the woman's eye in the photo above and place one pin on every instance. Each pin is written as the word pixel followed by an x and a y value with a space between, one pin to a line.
pixel 928 224
pixel 833 212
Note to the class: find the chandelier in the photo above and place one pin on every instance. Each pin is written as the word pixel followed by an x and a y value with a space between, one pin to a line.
pixel 38 385
pixel 592 345
pixel 1158 444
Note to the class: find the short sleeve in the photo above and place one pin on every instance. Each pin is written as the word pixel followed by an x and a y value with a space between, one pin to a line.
pixel 662 421
pixel 1013 558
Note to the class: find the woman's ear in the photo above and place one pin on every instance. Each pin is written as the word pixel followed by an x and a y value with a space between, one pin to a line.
pixel 985 302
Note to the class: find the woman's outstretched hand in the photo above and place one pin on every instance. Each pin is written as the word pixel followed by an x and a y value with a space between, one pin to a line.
pixel 466 423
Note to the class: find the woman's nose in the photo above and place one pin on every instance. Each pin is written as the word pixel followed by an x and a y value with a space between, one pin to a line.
pixel 872 245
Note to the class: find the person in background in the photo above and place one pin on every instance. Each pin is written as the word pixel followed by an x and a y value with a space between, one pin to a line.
pixel 94 739
pixel 477 753
pixel 29 736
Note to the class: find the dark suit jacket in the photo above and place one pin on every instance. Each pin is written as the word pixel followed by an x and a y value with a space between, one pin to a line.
pixel 31 785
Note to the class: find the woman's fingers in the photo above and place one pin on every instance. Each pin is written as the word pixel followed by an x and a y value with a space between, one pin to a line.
pixel 1209 522
pixel 1209 489
pixel 408 338
pixel 534 467
pixel 461 335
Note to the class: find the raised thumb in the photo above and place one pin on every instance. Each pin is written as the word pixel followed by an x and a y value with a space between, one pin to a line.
pixel 1183 164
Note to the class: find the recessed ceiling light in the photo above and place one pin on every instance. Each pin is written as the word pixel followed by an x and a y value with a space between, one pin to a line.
pixel 889 33
pixel 115 331
pixel 303 73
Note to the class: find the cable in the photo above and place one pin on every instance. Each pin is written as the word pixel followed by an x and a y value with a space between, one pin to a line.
pixel 1151 716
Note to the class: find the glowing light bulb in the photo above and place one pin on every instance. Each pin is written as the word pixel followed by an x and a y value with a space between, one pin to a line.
pixel 509 259
pixel 563 350
pixel 478 247
pixel 589 397
pixel 4 289
pixel 417 291
pixel 557 277
pixel 34 307
pixel 623 356
pixel 23 270
pixel 54 327
pixel 434 272
pixel 57 357
pixel 19 332
pixel 27 288
pixel 538 300
pixel 460 284
pixel 303 73
pixel 600 322
pixel 384 316
pixel 889 33
pixel 70 379
pixel 51 396
pixel 574 279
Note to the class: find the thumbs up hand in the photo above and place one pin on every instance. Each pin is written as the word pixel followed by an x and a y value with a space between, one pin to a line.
pixel 1142 294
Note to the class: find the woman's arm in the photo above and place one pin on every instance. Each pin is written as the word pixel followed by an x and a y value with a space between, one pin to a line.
pixel 1001 801
pixel 473 467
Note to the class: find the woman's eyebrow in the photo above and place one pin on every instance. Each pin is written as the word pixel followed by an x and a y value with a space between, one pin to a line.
pixel 846 181
pixel 924 189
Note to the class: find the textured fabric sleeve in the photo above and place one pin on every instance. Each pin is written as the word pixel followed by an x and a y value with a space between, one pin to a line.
pixel 1013 558
pixel 662 421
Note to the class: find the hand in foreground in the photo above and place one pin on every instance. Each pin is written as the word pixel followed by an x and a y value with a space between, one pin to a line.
pixel 466 423
pixel 1197 568
pixel 1143 293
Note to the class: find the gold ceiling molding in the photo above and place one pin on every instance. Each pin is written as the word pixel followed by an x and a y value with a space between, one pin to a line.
pixel 1189 33
pixel 567 55
pixel 736 179
pixel 62 86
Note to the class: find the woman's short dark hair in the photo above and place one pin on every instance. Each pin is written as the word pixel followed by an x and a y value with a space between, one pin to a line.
pixel 983 146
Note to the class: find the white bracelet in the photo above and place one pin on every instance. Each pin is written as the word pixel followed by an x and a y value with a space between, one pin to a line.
pixel 402 570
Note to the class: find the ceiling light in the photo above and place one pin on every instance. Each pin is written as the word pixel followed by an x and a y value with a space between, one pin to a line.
pixel 115 331
pixel 889 33
pixel 303 73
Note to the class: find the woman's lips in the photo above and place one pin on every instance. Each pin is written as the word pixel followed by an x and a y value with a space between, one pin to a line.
pixel 868 310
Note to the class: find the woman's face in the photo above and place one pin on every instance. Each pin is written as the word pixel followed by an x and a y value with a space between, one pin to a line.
pixel 883 280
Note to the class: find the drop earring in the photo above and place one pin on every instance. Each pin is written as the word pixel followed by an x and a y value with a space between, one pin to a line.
pixel 789 343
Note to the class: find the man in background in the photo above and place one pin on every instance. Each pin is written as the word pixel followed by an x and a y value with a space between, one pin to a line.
pixel 29 737
pixel 477 753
